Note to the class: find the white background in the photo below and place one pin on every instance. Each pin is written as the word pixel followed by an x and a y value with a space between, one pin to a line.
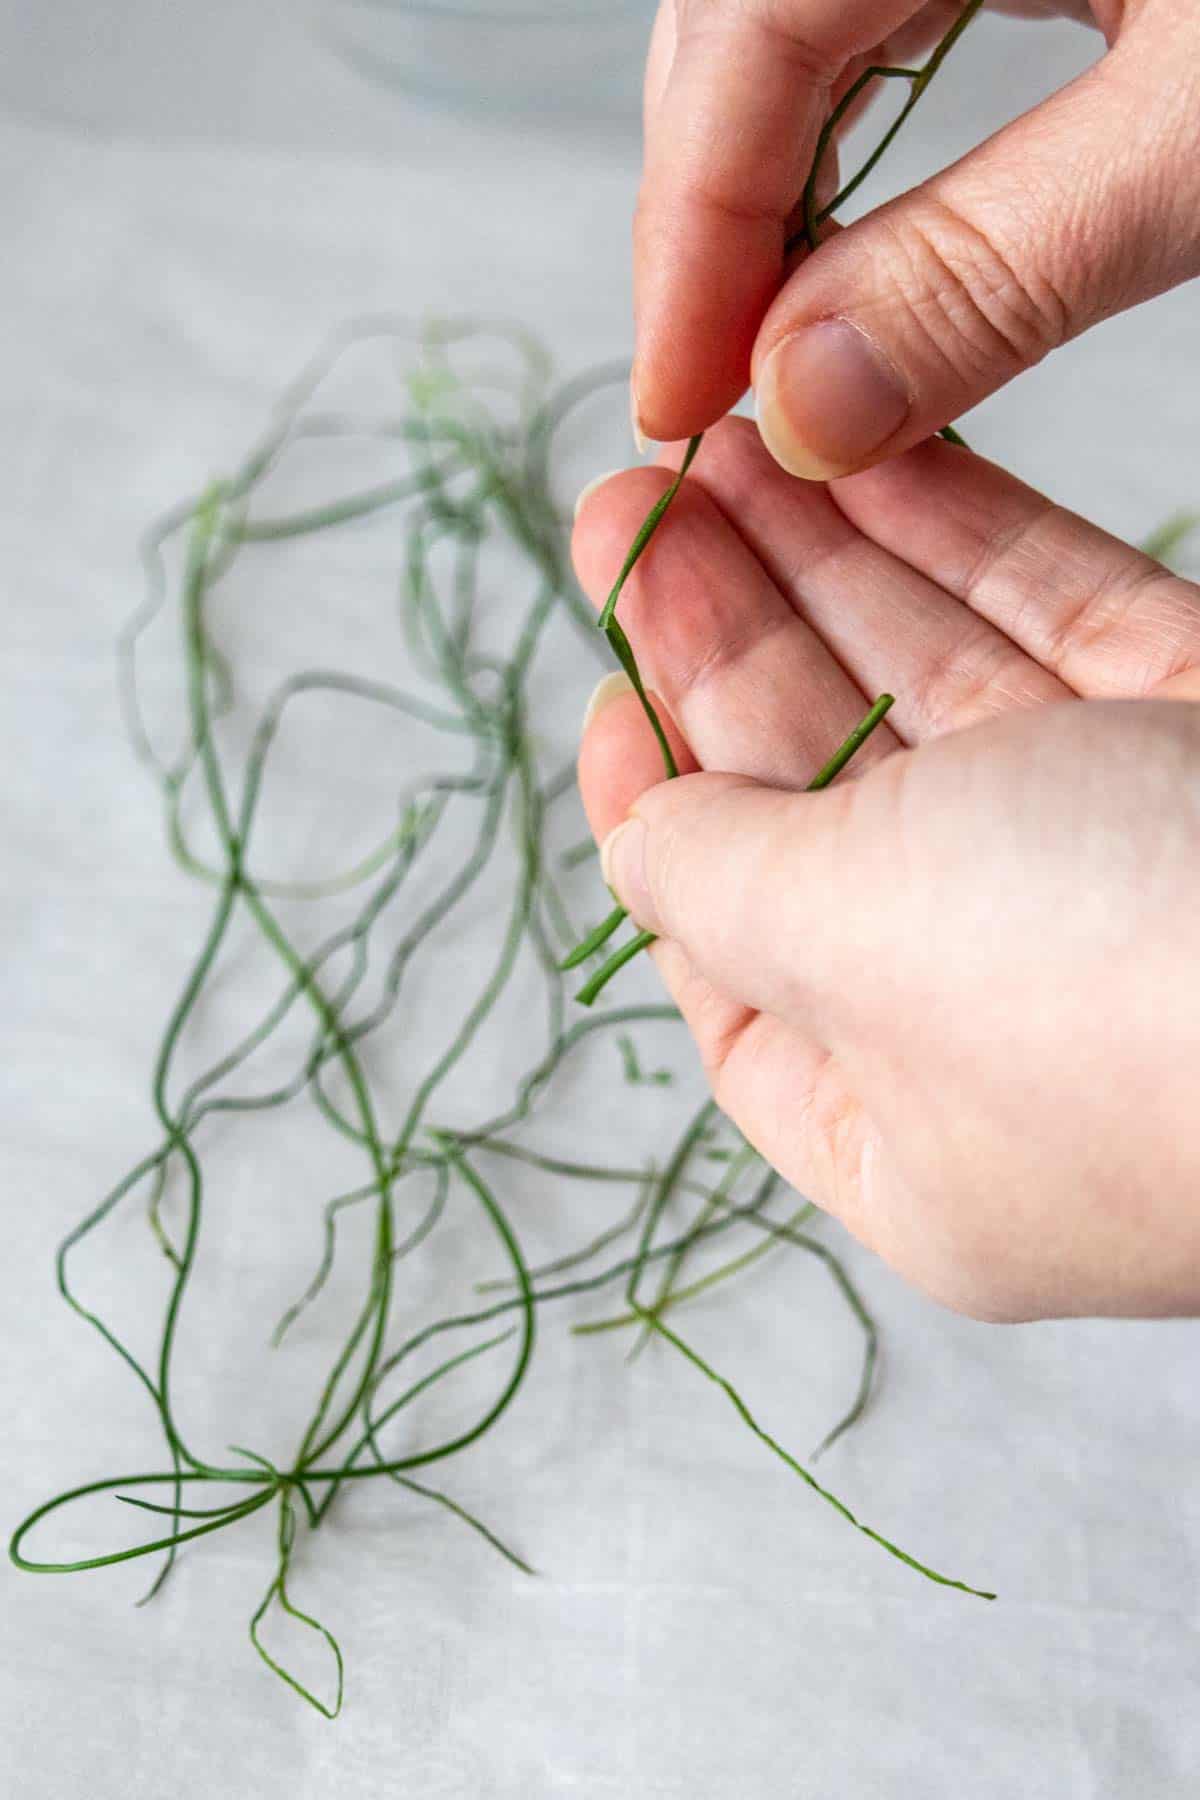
pixel 191 197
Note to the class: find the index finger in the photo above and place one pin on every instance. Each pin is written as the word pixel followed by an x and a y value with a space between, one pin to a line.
pixel 736 96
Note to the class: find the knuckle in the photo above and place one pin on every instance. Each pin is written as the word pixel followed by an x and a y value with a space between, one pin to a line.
pixel 976 679
pixel 732 1047
pixel 1140 621
pixel 984 307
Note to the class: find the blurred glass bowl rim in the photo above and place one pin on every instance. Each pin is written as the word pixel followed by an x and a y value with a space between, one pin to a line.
pixel 553 12
pixel 500 55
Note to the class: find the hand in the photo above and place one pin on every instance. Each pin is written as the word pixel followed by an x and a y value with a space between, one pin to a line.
pixel 906 319
pixel 955 1000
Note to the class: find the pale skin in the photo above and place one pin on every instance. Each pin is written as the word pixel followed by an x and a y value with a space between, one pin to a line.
pixel 953 998
pixel 903 321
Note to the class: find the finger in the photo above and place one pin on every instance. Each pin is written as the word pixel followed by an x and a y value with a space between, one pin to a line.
pixel 709 603
pixel 750 685
pixel 756 886
pixel 619 757
pixel 908 318
pixel 757 900
pixel 887 624
pixel 731 127
pixel 1108 621
pixel 782 1089
pixel 619 760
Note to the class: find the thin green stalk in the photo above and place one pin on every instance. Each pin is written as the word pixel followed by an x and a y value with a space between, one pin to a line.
pixel 594 987
pixel 467 463
pixel 839 1506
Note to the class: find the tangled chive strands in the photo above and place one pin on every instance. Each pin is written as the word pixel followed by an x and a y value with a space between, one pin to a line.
pixel 467 462
pixel 471 477
pixel 918 82
pixel 807 239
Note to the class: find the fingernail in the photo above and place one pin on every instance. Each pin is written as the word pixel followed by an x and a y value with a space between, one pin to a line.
pixel 609 687
pixel 826 399
pixel 623 862
pixel 641 441
pixel 586 492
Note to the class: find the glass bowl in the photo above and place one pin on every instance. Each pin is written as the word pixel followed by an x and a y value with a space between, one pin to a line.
pixel 512 56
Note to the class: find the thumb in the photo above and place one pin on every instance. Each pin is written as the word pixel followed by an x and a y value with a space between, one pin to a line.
pixel 756 885
pixel 1082 208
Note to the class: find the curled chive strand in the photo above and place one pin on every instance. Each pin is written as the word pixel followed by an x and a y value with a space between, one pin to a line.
pixel 277 1594
pixel 460 475
pixel 918 80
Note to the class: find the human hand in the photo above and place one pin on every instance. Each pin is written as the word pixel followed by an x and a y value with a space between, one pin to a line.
pixel 899 324
pixel 954 1000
